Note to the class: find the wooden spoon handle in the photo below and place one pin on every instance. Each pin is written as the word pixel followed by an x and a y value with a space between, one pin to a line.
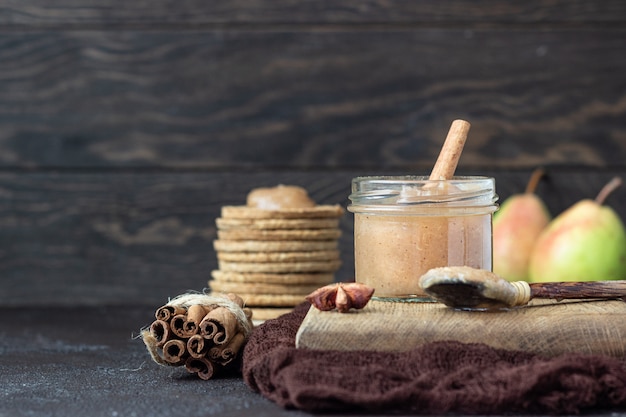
pixel 579 290
pixel 451 151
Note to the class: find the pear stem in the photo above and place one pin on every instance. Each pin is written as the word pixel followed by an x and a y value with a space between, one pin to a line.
pixel 608 189
pixel 534 180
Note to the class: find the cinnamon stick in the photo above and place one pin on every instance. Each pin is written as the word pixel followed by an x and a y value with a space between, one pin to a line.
pixel 166 312
pixel 226 354
pixel 434 233
pixel 175 351
pixel 451 151
pixel 191 324
pixel 177 325
pixel 196 346
pixel 219 325
pixel 195 314
pixel 160 330
pixel 200 366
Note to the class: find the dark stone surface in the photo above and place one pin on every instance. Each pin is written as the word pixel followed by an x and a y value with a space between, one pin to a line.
pixel 89 361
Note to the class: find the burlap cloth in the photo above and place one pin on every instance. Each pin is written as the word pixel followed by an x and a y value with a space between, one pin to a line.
pixel 434 378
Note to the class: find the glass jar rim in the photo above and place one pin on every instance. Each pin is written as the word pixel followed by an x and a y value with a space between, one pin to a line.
pixel 390 179
pixel 398 193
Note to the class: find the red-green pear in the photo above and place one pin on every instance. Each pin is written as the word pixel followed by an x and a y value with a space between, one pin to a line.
pixel 586 242
pixel 516 228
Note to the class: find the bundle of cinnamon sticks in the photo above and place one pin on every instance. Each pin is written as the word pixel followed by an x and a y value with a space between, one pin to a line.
pixel 204 333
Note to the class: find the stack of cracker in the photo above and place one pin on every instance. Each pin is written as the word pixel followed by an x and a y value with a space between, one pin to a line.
pixel 276 250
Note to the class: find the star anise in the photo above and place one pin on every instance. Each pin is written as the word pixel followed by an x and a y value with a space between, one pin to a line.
pixel 341 296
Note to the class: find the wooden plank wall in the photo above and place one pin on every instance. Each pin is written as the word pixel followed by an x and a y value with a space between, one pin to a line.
pixel 126 125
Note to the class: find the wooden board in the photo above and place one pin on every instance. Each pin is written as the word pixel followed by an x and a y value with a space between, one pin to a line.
pixel 545 327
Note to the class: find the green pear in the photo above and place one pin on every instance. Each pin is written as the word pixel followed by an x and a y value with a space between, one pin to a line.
pixel 516 228
pixel 586 242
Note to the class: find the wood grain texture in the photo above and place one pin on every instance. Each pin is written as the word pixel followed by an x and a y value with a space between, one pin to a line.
pixel 332 99
pixel 120 238
pixel 116 12
pixel 547 328
pixel 126 125
pixel 138 237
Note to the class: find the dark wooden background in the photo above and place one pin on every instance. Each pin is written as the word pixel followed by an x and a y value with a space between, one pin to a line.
pixel 126 125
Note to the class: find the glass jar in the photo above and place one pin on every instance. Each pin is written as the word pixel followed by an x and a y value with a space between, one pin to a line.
pixel 406 225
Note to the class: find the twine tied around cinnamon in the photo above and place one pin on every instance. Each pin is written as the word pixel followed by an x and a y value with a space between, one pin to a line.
pixel 203 332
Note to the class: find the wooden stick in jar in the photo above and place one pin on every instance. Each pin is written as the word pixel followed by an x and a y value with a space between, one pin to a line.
pixel 432 237
pixel 450 153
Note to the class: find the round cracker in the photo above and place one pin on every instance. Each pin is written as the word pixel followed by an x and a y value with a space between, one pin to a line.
pixel 280 267
pixel 271 300
pixel 273 245
pixel 319 279
pixel 329 255
pixel 276 224
pixel 305 234
pixel 252 288
pixel 245 212
pixel 260 314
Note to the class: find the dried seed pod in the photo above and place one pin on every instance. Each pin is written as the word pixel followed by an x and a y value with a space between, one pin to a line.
pixel 358 294
pixel 341 296
pixel 324 298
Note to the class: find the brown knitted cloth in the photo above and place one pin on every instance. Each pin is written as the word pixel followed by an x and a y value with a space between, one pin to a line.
pixel 434 378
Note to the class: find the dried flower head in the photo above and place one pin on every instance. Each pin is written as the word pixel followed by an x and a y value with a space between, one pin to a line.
pixel 341 296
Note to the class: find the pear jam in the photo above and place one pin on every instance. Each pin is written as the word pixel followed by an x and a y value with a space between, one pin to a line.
pixel 404 226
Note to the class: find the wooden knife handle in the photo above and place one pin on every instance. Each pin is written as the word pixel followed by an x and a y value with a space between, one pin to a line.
pixel 579 290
